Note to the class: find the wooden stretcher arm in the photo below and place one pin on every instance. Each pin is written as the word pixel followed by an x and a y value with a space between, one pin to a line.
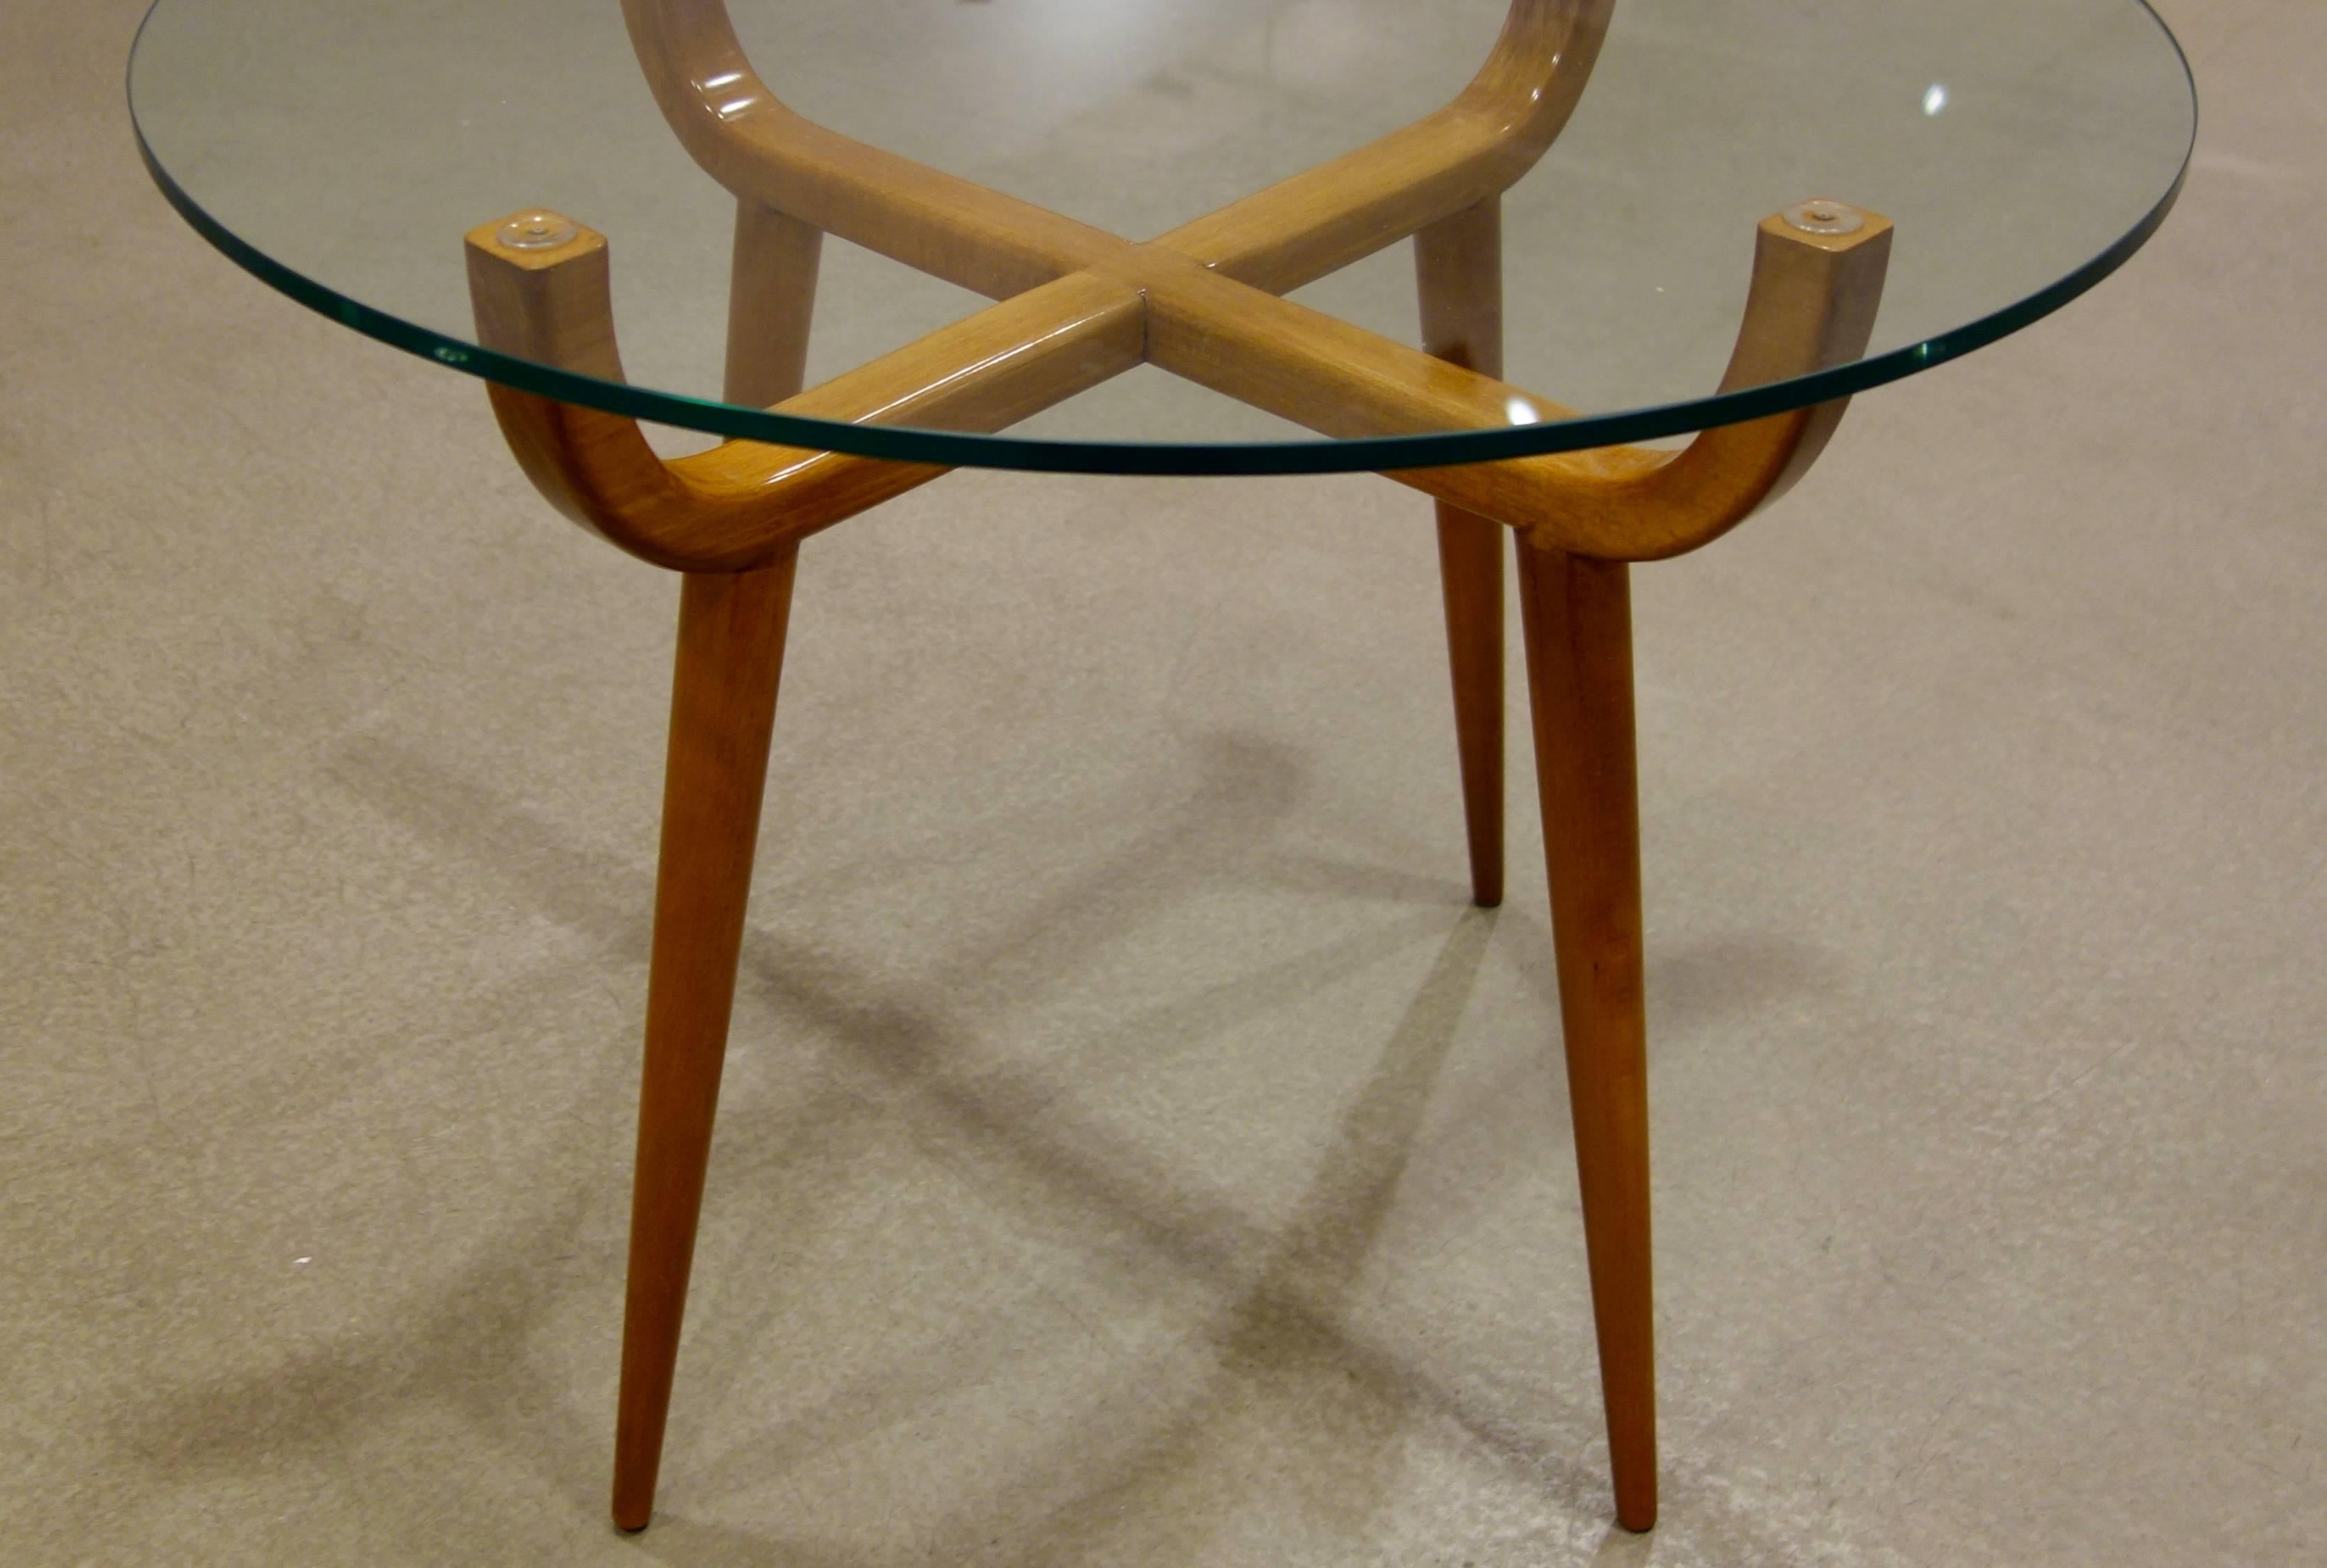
pixel 1278 238
pixel 1812 305
pixel 740 504
pixel 1323 219
pixel 745 138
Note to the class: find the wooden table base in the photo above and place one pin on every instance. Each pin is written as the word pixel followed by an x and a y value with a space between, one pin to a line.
pixel 1076 306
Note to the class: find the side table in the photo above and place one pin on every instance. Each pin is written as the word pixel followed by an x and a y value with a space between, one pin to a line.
pixel 1207 301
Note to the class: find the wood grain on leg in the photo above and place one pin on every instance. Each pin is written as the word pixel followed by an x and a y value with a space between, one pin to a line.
pixel 731 645
pixel 771 297
pixel 1459 273
pixel 1578 620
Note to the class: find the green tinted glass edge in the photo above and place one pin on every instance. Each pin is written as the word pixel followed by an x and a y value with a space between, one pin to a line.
pixel 1370 455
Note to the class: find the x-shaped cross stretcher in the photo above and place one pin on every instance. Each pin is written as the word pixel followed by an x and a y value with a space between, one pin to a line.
pixel 1079 305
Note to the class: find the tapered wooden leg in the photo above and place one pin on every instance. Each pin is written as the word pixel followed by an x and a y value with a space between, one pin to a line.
pixel 1458 266
pixel 731 645
pixel 771 297
pixel 1471 577
pixel 1578 621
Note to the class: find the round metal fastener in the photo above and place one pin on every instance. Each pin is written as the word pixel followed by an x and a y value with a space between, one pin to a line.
pixel 536 231
pixel 1820 215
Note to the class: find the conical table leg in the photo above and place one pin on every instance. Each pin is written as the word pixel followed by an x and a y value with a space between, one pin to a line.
pixel 731 647
pixel 1578 621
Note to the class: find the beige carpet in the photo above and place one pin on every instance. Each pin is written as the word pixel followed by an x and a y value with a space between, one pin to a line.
pixel 1134 1151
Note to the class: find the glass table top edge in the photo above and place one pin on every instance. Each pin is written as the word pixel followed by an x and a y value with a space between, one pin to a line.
pixel 1311 454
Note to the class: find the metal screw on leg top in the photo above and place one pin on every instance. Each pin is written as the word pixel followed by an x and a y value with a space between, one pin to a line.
pixel 536 231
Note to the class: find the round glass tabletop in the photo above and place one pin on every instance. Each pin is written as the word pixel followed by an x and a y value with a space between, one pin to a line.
pixel 1235 173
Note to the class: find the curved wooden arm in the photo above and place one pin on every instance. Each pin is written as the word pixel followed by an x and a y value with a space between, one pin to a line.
pixel 743 136
pixel 1476 148
pixel 1283 237
pixel 739 504
pixel 1812 305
